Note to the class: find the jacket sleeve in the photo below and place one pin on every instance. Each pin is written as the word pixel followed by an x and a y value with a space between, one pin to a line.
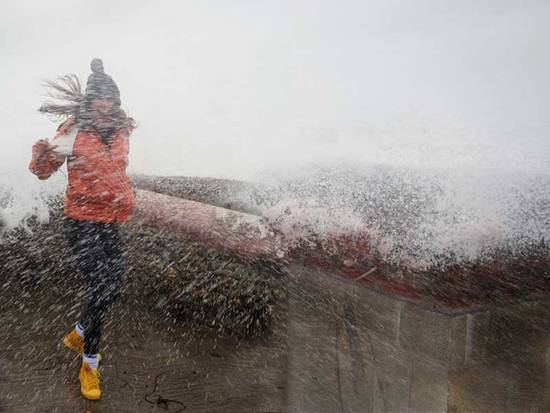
pixel 44 165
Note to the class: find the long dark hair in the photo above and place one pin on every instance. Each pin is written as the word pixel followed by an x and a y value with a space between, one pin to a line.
pixel 68 97
pixel 70 101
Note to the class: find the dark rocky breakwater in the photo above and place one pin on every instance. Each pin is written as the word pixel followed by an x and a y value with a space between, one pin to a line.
pixel 185 281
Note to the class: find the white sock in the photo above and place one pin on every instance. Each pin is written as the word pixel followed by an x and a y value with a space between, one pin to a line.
pixel 91 359
pixel 79 330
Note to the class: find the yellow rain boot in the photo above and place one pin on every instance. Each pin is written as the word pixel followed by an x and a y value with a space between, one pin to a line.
pixel 74 342
pixel 89 382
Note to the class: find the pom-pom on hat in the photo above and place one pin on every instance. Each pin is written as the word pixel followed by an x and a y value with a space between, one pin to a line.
pixel 100 85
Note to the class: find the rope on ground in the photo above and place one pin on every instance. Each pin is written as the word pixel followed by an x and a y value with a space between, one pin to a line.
pixel 162 402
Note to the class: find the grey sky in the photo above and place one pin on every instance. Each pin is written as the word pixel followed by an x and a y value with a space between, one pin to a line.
pixel 223 87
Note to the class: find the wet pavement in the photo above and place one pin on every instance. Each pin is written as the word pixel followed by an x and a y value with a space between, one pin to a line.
pixel 337 347
pixel 147 366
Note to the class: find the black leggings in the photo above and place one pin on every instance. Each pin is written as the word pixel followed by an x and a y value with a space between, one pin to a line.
pixel 97 248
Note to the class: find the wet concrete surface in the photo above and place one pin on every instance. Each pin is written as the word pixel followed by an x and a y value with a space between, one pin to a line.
pixel 148 366
pixel 337 347
pixel 374 353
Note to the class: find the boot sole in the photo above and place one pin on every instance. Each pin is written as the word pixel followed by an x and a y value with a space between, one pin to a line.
pixel 89 397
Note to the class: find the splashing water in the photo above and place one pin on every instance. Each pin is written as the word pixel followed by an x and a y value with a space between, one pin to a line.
pixel 424 192
pixel 425 198
pixel 22 197
pixel 422 217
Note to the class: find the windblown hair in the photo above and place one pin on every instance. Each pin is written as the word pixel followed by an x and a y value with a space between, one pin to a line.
pixel 70 101
pixel 68 97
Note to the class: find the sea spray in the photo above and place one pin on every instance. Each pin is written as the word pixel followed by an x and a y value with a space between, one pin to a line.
pixel 23 196
pixel 423 216
pixel 426 192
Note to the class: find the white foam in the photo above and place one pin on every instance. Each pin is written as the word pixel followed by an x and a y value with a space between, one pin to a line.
pixel 24 196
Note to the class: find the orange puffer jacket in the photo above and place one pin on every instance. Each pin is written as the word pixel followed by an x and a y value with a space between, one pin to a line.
pixel 98 189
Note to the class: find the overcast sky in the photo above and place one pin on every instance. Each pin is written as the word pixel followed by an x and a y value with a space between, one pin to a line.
pixel 221 88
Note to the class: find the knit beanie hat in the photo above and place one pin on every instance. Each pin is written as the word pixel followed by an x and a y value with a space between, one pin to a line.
pixel 100 85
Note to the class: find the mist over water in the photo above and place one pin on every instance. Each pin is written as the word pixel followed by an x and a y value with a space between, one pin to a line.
pixel 422 190
pixel 428 195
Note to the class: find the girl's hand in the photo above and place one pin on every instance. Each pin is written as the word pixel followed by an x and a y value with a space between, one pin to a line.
pixel 43 147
